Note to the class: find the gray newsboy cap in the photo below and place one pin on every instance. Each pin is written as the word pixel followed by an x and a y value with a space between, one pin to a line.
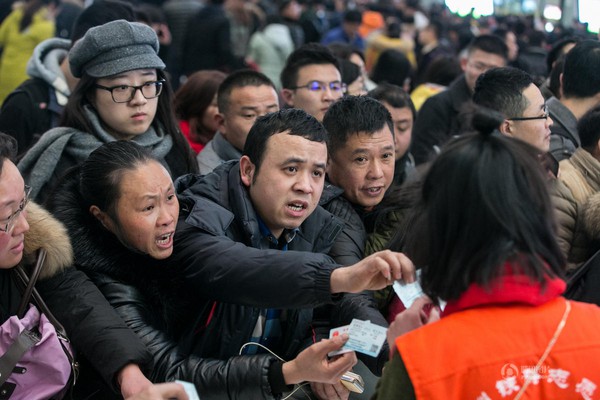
pixel 115 47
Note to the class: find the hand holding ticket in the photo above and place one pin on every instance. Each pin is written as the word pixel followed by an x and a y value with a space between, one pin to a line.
pixel 364 337
pixel 409 292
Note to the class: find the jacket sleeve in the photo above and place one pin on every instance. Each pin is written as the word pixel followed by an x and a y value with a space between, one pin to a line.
pixel 395 382
pixel 347 250
pixel 566 215
pixel 229 271
pixel 243 377
pixel 349 245
pixel 92 324
pixel 15 121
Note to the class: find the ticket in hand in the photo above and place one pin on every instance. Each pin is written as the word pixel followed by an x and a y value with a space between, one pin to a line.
pixel 365 337
pixel 409 292
pixel 190 390
pixel 338 332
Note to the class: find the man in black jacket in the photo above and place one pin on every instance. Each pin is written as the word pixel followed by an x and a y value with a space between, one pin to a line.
pixel 438 118
pixel 253 232
pixel 580 86
pixel 207 43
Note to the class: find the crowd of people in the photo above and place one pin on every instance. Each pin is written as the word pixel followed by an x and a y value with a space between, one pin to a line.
pixel 216 186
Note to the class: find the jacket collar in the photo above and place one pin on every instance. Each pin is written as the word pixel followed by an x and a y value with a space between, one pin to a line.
pixel 562 116
pixel 225 150
pixel 508 289
pixel 219 202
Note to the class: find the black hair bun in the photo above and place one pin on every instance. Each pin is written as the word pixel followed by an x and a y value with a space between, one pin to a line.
pixel 485 120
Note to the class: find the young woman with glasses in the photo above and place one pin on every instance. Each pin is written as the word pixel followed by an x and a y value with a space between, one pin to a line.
pixel 123 94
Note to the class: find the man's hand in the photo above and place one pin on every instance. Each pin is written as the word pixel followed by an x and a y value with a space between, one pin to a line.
pixel 132 380
pixel 326 391
pixel 313 365
pixel 375 272
pixel 410 319
pixel 163 391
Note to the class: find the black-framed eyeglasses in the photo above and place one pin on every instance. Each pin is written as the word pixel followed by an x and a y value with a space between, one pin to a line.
pixel 316 86
pixel 126 93
pixel 545 115
pixel 8 226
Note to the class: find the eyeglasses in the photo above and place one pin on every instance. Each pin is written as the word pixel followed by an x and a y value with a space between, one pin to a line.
pixel 316 86
pixel 545 115
pixel 10 221
pixel 126 93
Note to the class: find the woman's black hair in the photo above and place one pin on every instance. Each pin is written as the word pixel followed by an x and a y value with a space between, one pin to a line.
pixel 101 174
pixel 8 149
pixel 485 202
pixel 74 115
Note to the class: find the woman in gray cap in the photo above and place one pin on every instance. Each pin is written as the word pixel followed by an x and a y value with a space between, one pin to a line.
pixel 123 94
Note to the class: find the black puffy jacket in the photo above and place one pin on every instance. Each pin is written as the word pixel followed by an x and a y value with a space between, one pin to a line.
pixel 150 297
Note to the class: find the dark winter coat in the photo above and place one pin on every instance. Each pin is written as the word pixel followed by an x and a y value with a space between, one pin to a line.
pixel 151 298
pixel 207 42
pixel 438 120
pixel 218 242
pixel 100 337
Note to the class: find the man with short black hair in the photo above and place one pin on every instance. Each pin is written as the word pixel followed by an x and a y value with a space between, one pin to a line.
pixel 260 239
pixel 438 118
pixel 242 97
pixel 512 92
pixel 580 93
pixel 311 80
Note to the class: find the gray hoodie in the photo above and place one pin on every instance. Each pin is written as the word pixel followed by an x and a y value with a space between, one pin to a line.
pixel 45 64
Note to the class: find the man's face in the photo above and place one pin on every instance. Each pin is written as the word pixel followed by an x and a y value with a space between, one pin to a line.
pixel 513 46
pixel 536 132
pixel 314 102
pixel 245 105
pixel 351 28
pixel 403 125
pixel 478 62
pixel 287 187
pixel 426 36
pixel 364 167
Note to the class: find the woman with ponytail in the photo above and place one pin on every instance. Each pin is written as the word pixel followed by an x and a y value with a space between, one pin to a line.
pixel 27 26
pixel 486 243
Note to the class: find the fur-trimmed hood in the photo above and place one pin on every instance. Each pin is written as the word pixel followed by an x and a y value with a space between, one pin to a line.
pixel 46 232
pixel 591 217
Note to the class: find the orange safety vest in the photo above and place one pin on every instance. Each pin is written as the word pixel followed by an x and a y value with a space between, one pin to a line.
pixel 486 353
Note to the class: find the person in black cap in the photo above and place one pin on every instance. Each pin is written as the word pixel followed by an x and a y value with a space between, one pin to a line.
pixel 123 94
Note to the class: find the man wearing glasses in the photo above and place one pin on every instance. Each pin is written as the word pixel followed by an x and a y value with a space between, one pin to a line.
pixel 311 80
pixel 512 92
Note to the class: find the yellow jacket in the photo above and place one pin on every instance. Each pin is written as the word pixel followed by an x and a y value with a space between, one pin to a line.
pixel 17 47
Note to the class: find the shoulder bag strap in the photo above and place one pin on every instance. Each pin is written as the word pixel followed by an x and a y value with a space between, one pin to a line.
pixel 9 360
pixel 29 283
pixel 31 291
